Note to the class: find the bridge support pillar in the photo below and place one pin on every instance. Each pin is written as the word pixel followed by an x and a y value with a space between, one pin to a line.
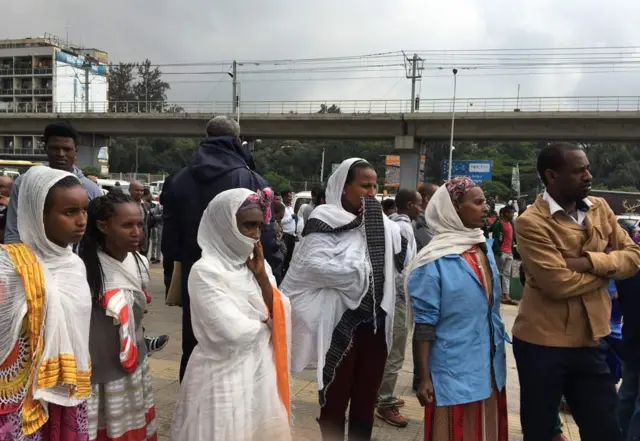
pixel 409 152
pixel 88 149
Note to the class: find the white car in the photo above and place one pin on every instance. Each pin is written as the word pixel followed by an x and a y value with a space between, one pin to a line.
pixel 107 184
pixel 630 221
pixel 299 199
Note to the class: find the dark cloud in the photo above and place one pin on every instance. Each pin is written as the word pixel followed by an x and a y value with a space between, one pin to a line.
pixel 168 31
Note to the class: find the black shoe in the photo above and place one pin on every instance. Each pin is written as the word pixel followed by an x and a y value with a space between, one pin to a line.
pixel 155 344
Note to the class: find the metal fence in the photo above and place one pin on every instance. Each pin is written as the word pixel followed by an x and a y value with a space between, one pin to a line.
pixel 142 177
pixel 365 107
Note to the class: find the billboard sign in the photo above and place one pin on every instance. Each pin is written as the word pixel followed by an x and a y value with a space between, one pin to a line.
pixel 79 62
pixel 479 170
pixel 392 170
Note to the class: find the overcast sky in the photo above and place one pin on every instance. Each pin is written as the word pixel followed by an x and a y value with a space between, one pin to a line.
pixel 168 31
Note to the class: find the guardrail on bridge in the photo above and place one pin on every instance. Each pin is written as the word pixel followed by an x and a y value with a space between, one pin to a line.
pixel 462 106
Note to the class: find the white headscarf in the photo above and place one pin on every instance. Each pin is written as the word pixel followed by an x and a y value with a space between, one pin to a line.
pixel 333 213
pixel 450 234
pixel 219 236
pixel 67 294
pixel 330 273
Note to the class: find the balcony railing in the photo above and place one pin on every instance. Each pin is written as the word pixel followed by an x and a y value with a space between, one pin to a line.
pixel 37 151
pixel 43 91
pixel 17 71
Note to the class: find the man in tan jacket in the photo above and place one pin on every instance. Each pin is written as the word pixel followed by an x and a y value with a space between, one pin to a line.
pixel 566 309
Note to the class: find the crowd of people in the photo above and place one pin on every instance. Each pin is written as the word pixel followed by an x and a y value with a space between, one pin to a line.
pixel 338 287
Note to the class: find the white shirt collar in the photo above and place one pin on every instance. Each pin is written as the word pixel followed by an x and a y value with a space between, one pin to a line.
pixel 554 207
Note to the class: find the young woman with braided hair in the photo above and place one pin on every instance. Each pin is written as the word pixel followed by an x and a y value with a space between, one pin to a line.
pixel 121 404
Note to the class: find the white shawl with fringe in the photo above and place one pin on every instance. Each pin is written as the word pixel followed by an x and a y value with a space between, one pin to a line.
pixel 67 298
pixel 329 273
pixel 229 391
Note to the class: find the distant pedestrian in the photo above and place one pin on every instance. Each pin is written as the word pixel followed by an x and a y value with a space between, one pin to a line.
pixel 504 248
pixel 137 192
pixel 305 210
pixel 168 259
pixel 218 164
pixel 278 212
pixel 389 207
pixel 155 253
pixel 289 227
pixel 423 236
pixel 61 147
pixel 420 227
pixel 409 205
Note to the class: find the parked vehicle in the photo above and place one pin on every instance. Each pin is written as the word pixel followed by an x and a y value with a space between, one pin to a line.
pixel 108 184
pixel 630 221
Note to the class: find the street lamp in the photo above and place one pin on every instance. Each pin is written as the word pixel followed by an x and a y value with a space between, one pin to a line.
pixel 453 121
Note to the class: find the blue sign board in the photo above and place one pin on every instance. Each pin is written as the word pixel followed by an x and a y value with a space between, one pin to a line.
pixel 478 170
pixel 73 60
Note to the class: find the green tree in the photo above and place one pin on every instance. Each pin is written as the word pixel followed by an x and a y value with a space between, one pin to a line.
pixel 150 88
pixel 278 183
pixel 121 80
pixel 330 109
pixel 91 170
pixel 495 190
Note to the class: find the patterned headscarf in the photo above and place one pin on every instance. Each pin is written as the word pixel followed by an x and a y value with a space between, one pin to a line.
pixel 458 187
pixel 262 199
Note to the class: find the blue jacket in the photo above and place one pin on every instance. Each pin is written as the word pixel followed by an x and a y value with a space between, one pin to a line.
pixel 629 297
pixel 448 295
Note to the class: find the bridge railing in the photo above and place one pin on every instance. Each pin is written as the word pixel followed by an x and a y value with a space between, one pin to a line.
pixel 462 106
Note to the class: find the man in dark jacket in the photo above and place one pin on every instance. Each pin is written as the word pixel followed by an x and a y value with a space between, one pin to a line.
pixel 220 163
pixel 167 260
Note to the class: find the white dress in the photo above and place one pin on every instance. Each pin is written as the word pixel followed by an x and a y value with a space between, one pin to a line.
pixel 229 392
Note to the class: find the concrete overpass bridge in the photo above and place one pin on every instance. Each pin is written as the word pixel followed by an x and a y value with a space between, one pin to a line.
pixel 540 118
pixel 606 118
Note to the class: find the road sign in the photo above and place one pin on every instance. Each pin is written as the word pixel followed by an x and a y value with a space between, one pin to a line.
pixel 392 172
pixel 479 170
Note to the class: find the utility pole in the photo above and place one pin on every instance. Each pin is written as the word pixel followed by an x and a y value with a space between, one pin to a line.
pixel 234 88
pixel 146 92
pixel 322 168
pixel 414 73
pixel 453 122
pixel 86 66
pixel 414 65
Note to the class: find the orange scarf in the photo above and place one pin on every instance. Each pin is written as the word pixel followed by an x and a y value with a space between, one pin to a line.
pixel 280 350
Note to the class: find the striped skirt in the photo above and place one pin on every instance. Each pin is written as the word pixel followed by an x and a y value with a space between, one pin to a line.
pixel 480 421
pixel 123 410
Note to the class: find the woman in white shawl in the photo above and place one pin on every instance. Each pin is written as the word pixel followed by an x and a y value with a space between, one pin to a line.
pixel 45 305
pixel 121 405
pixel 455 291
pixel 342 292
pixel 236 386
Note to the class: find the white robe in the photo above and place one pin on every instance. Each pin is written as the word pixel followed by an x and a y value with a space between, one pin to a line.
pixel 329 274
pixel 229 392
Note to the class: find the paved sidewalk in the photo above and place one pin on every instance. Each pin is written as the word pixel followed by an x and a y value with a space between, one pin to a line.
pixel 165 367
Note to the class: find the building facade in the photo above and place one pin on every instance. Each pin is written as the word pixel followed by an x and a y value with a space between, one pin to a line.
pixel 46 75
